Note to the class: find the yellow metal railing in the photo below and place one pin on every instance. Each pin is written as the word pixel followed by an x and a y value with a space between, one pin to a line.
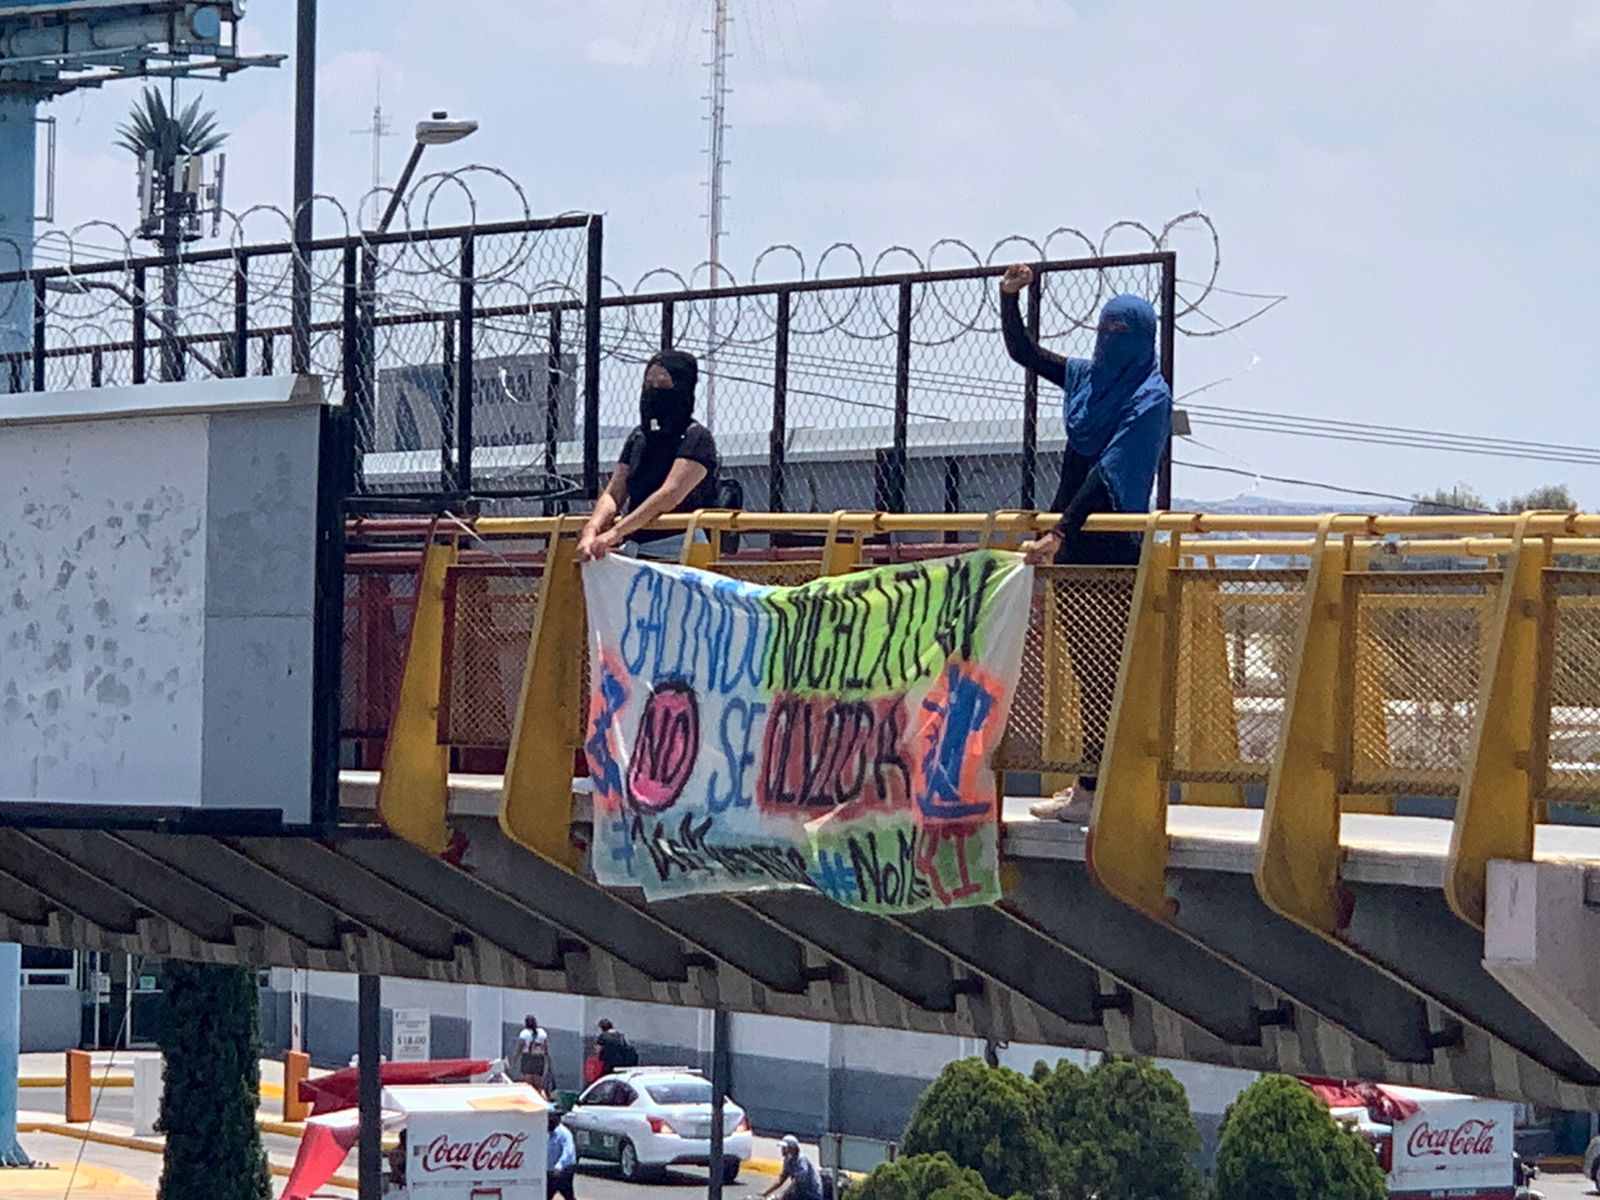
pixel 1335 662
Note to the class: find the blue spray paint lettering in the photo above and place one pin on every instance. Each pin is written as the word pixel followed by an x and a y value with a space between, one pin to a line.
pixel 603 766
pixel 739 717
pixel 966 707
pixel 712 636
pixel 622 850
pixel 834 877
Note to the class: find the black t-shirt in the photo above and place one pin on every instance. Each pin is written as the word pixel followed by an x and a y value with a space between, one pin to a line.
pixel 649 460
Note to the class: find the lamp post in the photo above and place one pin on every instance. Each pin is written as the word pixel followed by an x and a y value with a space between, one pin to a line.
pixel 438 130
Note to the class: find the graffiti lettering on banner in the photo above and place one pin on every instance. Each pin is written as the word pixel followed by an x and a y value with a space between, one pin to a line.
pixel 836 736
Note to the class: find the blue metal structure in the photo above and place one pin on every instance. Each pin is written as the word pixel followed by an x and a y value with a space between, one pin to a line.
pixel 49 50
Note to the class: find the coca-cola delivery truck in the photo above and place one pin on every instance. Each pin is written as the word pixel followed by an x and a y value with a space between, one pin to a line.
pixel 1432 1144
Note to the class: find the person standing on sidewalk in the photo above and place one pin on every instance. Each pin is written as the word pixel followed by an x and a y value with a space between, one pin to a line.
pixel 533 1055
pixel 1117 408
pixel 561 1160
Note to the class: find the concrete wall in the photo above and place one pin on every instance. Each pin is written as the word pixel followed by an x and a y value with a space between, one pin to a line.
pixel 801 1077
pixel 52 1019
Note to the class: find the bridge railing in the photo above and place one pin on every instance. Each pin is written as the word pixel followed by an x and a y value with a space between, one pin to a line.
pixel 1315 666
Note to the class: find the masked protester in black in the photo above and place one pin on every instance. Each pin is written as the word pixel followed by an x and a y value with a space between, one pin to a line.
pixel 668 464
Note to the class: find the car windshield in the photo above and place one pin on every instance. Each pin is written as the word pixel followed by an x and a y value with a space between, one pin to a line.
pixel 695 1092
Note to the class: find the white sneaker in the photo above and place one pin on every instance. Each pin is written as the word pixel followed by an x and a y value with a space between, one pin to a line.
pixel 1072 805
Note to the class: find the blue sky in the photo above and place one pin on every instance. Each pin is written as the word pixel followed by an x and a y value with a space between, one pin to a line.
pixel 1419 177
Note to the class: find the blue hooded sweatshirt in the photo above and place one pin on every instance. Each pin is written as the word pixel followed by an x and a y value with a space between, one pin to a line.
pixel 1117 407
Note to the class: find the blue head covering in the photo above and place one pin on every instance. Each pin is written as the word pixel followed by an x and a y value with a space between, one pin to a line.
pixel 1118 407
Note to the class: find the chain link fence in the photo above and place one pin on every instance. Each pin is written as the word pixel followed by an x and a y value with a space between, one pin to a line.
pixel 460 354
pixel 1419 642
pixel 890 393
pixel 484 361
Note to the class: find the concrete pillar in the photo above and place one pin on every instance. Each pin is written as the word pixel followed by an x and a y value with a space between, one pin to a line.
pixel 16 332
pixel 11 1152
pixel 80 1088
pixel 1542 942
pixel 485 1022
pixel 146 1095
pixel 17 139
pixel 296 1069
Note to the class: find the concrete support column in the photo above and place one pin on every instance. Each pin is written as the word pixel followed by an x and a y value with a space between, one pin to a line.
pixel 17 140
pixel 11 1153
pixel 1542 943
pixel 485 1022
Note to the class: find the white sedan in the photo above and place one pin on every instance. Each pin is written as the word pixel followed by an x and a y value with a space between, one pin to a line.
pixel 647 1118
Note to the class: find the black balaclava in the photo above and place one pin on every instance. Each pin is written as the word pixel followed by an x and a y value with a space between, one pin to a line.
pixel 666 411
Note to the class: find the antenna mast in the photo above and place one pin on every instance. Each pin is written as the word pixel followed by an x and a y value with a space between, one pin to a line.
pixel 378 130
pixel 719 128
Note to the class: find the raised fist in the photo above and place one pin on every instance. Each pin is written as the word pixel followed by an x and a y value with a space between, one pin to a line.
pixel 1017 277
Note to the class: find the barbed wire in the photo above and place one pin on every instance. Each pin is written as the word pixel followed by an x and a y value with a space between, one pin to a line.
pixel 1064 242
pixel 461 197
pixel 846 313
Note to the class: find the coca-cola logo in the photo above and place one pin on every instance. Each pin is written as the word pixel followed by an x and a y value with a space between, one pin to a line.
pixel 1473 1137
pixel 496 1152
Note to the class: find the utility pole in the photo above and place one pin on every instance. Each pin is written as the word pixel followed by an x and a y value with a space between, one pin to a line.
pixel 171 243
pixel 719 129
pixel 305 131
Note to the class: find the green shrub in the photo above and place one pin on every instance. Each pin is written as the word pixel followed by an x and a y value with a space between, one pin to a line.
pixel 989 1119
pixel 211 1076
pixel 923 1177
pixel 1279 1142
pixel 1124 1132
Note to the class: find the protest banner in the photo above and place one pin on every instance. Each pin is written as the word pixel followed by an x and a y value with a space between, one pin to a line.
pixel 836 736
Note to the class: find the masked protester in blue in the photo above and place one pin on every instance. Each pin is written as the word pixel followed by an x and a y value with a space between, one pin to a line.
pixel 1118 413
pixel 668 464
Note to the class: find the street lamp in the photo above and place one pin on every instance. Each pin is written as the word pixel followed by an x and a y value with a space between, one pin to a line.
pixel 438 130
pixel 70 285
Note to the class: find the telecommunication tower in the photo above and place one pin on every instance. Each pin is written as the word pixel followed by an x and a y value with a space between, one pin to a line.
pixel 715 197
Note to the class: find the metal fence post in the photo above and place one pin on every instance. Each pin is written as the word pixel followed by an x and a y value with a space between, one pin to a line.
pixel 1030 401
pixel 896 483
pixel 552 403
pixel 591 361
pixel 464 367
pixel 140 333
pixel 349 318
pixel 721 1061
pixel 1169 339
pixel 447 408
pixel 369 1086
pixel 38 333
pixel 668 332
pixel 364 413
pixel 241 316
pixel 780 408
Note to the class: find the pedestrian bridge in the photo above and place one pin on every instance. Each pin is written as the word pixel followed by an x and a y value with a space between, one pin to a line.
pixel 1343 776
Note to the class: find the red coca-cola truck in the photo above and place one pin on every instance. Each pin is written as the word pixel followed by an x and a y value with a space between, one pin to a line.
pixel 1437 1145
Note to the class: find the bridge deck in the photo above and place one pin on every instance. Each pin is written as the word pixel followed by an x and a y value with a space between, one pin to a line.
pixel 1400 850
